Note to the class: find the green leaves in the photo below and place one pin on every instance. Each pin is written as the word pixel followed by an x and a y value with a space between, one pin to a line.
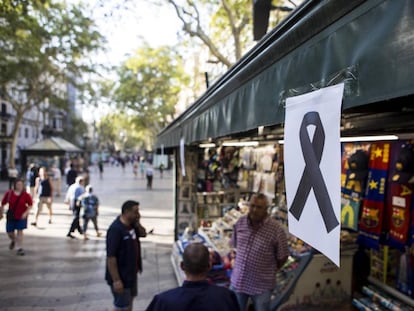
pixel 44 45
pixel 149 84
pixel 148 88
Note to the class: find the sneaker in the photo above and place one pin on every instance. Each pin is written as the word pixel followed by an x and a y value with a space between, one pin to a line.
pixel 98 234
pixel 20 252
pixel 69 235
pixel 34 224
pixel 11 246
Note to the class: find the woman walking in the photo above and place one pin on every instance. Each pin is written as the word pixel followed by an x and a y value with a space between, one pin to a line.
pixel 20 202
pixel 44 192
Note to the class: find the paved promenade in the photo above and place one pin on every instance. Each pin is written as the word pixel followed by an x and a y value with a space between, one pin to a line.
pixel 61 274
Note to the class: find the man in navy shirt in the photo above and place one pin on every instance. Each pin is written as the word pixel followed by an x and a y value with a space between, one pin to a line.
pixel 123 251
pixel 195 293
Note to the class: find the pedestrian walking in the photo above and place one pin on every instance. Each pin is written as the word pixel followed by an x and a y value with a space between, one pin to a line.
pixel 71 175
pixel 44 194
pixel 121 161
pixel 19 204
pixel 57 180
pixel 254 272
pixel 101 168
pixel 72 198
pixel 31 176
pixel 161 170
pixel 123 250
pixel 149 173
pixel 135 168
pixel 142 168
pixel 90 204
pixel 196 293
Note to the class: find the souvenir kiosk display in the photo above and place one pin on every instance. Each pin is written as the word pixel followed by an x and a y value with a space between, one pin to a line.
pixel 367 45
pixel 376 263
pixel 385 280
pixel 217 194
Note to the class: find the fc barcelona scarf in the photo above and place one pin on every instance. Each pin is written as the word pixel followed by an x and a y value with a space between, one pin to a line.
pixel 399 197
pixel 398 209
pixel 371 221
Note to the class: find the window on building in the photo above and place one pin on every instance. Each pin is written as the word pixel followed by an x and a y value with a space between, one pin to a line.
pixel 3 129
pixel 26 132
pixel 57 123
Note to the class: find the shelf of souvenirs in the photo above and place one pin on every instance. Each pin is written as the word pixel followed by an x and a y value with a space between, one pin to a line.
pixel 223 261
pixel 221 265
pixel 218 232
pixel 223 196
pixel 378 296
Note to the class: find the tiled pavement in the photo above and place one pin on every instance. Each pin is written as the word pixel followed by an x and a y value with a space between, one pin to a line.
pixel 60 274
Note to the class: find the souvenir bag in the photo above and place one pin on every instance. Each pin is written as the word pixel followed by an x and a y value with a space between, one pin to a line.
pixel 10 215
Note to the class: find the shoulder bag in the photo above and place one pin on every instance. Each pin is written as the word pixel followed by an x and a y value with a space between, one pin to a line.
pixel 10 211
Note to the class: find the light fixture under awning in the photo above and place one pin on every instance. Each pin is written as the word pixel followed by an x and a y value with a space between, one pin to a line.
pixel 240 143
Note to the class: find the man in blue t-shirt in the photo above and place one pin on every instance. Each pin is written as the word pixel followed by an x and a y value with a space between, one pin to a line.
pixel 123 251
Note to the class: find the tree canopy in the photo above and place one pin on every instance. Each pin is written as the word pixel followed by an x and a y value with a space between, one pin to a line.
pixel 224 26
pixel 44 47
pixel 149 86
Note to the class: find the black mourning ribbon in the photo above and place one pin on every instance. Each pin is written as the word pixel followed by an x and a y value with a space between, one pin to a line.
pixel 312 175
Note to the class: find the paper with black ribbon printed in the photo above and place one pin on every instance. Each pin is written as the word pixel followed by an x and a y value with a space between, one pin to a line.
pixel 312 155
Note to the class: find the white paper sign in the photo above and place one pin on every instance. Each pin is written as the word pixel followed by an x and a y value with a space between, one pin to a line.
pixel 312 154
pixel 182 158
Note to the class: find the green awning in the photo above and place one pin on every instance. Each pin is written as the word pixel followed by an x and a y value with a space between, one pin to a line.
pixel 366 44
pixel 52 144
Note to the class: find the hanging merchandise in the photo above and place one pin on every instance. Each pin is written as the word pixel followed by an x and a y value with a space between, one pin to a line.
pixel 399 197
pixel 405 275
pixel 269 187
pixel 230 167
pixel 371 221
pixel 354 174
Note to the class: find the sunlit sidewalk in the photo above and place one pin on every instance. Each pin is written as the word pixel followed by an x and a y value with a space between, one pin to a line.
pixel 58 273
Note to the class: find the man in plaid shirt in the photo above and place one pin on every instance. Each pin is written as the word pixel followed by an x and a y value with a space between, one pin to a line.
pixel 261 248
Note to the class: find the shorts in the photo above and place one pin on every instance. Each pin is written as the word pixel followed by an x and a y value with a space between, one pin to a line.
pixel 44 200
pixel 123 300
pixel 19 224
